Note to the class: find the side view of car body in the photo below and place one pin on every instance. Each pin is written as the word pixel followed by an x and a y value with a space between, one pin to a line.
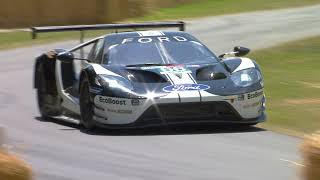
pixel 147 78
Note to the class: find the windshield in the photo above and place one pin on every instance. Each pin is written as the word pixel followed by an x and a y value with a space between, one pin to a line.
pixel 188 52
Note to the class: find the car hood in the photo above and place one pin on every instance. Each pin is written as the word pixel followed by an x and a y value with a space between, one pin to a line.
pixel 213 78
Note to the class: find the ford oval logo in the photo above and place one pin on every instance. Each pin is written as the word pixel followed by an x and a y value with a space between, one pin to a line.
pixel 186 87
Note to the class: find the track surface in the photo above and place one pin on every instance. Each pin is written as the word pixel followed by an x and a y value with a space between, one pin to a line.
pixel 63 152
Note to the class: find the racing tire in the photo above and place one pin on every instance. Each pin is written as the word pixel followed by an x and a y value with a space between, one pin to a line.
pixel 48 104
pixel 86 106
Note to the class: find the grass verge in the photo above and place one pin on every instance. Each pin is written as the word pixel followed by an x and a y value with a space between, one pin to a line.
pixel 23 38
pixel 220 7
pixel 292 85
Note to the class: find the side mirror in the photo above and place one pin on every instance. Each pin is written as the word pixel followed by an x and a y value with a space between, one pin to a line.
pixel 241 51
pixel 66 57
pixel 237 51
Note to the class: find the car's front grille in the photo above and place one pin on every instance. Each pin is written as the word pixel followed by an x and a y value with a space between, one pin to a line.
pixel 193 111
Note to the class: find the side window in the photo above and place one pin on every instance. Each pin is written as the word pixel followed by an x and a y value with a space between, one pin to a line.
pixel 94 54
pixel 85 51
pixel 98 51
pixel 93 51
pixel 90 55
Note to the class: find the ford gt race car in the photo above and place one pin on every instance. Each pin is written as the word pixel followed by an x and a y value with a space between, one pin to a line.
pixel 147 78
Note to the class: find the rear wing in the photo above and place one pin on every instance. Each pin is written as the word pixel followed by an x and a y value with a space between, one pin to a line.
pixel 116 27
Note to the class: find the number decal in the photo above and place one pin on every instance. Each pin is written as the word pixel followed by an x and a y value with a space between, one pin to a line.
pixel 174 69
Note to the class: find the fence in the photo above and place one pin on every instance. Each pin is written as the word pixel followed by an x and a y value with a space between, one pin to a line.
pixel 26 13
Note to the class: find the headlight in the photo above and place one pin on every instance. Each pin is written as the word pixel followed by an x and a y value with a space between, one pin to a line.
pixel 246 77
pixel 114 82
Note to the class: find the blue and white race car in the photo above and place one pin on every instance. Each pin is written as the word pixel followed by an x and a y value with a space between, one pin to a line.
pixel 148 78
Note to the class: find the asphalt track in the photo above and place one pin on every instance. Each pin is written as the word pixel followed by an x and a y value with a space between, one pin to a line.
pixel 60 151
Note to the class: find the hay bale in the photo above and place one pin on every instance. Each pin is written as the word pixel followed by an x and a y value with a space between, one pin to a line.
pixel 310 150
pixel 3 136
pixel 13 168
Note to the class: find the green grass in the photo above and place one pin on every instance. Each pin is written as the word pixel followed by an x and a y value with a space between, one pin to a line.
pixel 22 38
pixel 219 7
pixel 292 84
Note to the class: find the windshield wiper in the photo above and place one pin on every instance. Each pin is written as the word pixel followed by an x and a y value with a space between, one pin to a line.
pixel 148 64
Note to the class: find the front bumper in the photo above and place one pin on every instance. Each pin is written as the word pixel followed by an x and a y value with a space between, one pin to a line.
pixel 142 123
pixel 172 109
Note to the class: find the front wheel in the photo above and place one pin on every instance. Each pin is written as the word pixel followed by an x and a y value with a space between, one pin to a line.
pixel 86 106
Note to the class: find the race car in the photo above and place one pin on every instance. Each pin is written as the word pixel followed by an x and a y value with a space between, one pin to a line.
pixel 147 78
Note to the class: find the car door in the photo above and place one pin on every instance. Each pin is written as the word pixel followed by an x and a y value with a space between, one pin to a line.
pixel 68 74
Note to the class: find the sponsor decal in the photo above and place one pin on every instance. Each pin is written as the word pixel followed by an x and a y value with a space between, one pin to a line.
pixel 151 67
pixel 174 70
pixel 135 102
pixel 231 99
pixel 115 101
pixel 150 33
pixel 186 87
pixel 252 105
pixel 254 95
pixel 146 39
pixel 193 65
pixel 120 111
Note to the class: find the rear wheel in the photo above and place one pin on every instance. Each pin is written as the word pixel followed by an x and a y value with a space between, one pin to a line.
pixel 86 106
pixel 48 103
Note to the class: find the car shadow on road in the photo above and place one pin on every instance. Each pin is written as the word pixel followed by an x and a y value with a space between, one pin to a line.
pixel 65 125
pixel 174 130
pixel 158 130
